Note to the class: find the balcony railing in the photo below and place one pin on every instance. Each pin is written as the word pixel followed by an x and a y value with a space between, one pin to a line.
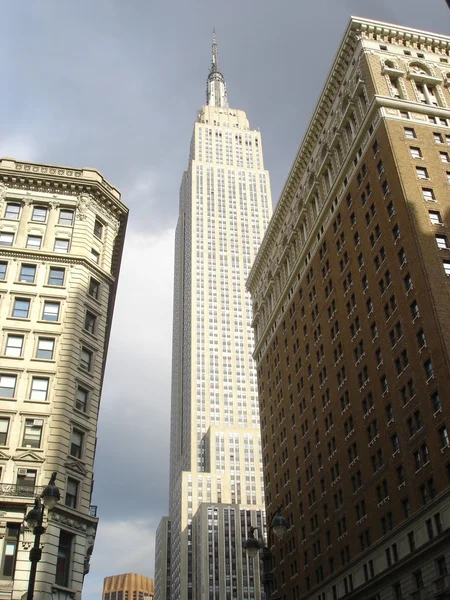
pixel 15 490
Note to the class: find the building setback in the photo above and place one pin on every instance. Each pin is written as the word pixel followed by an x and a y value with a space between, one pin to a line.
pixel 350 295
pixel 216 486
pixel 61 238
pixel 129 586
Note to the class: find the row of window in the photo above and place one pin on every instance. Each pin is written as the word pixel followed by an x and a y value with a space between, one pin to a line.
pixel 34 242
pixel 40 213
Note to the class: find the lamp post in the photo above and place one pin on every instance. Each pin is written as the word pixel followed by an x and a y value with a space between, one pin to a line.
pixel 253 545
pixel 34 519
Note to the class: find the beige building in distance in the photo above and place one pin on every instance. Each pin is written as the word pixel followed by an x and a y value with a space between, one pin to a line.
pixel 129 586
pixel 351 291
pixel 61 238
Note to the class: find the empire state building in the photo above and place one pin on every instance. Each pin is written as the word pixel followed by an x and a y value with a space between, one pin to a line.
pixel 216 482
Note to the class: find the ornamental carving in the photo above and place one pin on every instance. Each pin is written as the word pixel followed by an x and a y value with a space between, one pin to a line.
pixel 74 523
pixel 3 192
pixel 27 201
pixel 83 203
pixel 54 204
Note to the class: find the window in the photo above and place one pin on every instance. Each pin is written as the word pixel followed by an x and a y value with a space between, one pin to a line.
pixel 39 214
pixel 65 217
pixel 418 580
pixel 56 276
pixel 444 157
pixel 63 559
pixel 51 311
pixel 86 359
pixel 34 241
pixel 26 478
pixel 395 443
pixel 410 134
pixel 94 288
pixel 72 493
pixel 442 242
pixel 428 194
pixel 414 307
pixel 14 345
pixel 436 401
pixel 441 566
pixel 10 546
pixel 76 443
pixel 8 386
pixel 4 428
pixel 81 398
pixel 415 152
pixel 32 434
pixel 422 173
pixel 446 264
pixel 435 217
pixel 90 322
pixel 95 256
pixel 98 229
pixel 61 245
pixel 12 211
pixel 3 267
pixel 438 138
pixel 429 372
pixel 45 348
pixel 443 435
pixel 6 239
pixel 39 388
pixel 27 273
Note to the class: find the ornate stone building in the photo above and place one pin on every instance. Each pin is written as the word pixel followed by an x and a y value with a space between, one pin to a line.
pixel 350 293
pixel 61 238
pixel 129 586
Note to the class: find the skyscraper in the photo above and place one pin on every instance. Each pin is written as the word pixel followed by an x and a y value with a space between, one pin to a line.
pixel 350 294
pixel 61 238
pixel 216 487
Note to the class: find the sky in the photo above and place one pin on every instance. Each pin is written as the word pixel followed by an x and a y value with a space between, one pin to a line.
pixel 116 85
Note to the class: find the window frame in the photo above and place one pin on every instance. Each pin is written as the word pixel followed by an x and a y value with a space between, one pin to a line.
pixel 50 276
pixel 35 392
pixel 64 220
pixel 31 267
pixel 13 376
pixel 58 314
pixel 17 336
pixel 32 439
pixel 6 235
pixel 7 205
pixel 39 207
pixel 45 339
pixel 34 237
pixel 58 248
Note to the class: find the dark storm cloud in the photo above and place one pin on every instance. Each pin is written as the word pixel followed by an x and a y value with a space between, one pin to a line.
pixel 116 85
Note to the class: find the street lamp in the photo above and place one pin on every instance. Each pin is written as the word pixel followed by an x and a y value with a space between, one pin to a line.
pixel 34 519
pixel 253 545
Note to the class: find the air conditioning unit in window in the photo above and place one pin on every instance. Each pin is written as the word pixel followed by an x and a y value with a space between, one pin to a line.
pixel 38 422
pixel 21 471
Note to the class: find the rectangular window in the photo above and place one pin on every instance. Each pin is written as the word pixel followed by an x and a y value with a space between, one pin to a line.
pixel 8 386
pixel 435 217
pixel 26 478
pixel 422 173
pixel 64 559
pixel 76 443
pixel 10 546
pixel 45 348
pixel 51 311
pixel 56 276
pixel 95 256
pixel 410 134
pixel 444 157
pixel 415 152
pixel 438 138
pixel 34 242
pixel 90 321
pixel 81 398
pixel 86 359
pixel 32 434
pixel 428 195
pixel 98 229
pixel 39 388
pixel 442 242
pixel 6 239
pixel 4 428
pixel 27 273
pixel 3 267
pixel 61 245
pixel 65 217
pixel 94 288
pixel 12 211
pixel 72 493
pixel 39 214
pixel 446 264
pixel 14 345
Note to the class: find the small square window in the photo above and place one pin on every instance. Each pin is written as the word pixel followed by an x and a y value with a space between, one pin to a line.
pixel 21 308
pixel 428 195
pixel 86 359
pixel 61 245
pixel 81 398
pixel 422 173
pixel 444 157
pixel 94 288
pixel 446 264
pixel 65 217
pixel 14 345
pixel 39 214
pixel 415 152
pixel 3 267
pixel 435 217
pixel 95 256
pixel 12 211
pixel 34 241
pixel 45 348
pixel 8 386
pixel 410 133
pixel 438 138
pixel 98 229
pixel 39 388
pixel 442 242
pixel 27 273
pixel 56 276
pixel 6 239
pixel 51 311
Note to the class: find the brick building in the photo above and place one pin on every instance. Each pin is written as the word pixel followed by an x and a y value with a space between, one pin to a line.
pixel 350 295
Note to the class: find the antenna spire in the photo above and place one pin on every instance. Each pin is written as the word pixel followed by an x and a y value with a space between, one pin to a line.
pixel 216 89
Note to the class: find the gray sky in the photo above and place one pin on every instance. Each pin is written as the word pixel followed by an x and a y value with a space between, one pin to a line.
pixel 115 85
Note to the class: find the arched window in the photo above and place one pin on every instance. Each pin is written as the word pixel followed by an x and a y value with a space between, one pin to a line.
pixel 425 83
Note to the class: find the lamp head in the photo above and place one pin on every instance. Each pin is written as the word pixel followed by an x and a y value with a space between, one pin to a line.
pixel 50 495
pixel 279 524
pixel 252 545
pixel 32 517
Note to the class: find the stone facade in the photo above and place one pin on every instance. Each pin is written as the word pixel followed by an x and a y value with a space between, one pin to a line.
pixel 61 240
